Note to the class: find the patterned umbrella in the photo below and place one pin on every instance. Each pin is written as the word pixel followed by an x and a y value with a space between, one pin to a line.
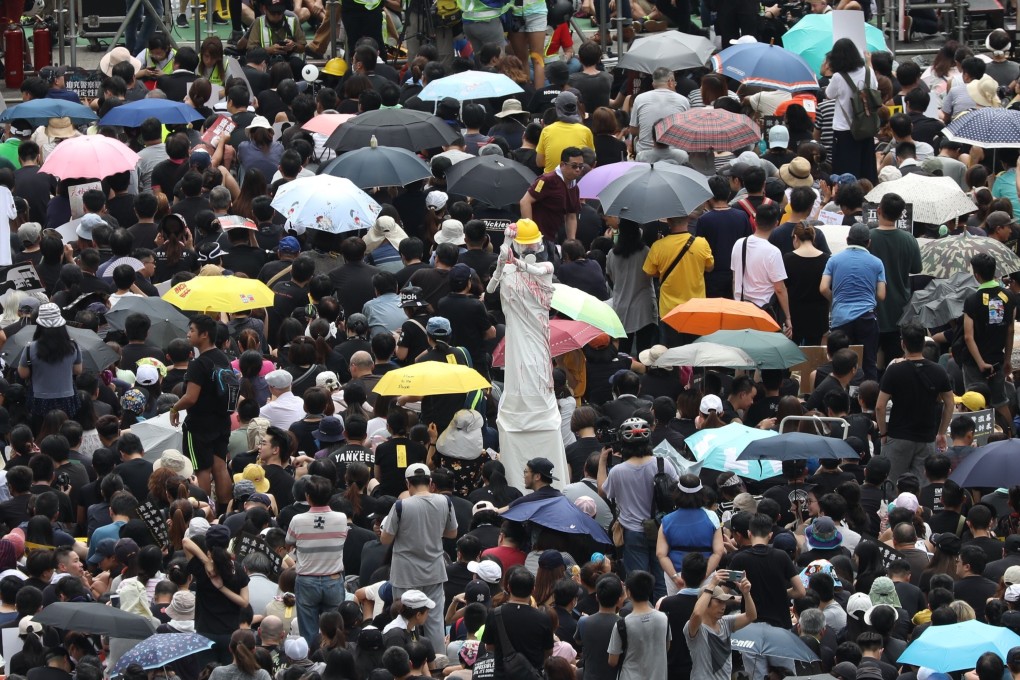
pixel 936 200
pixel 707 129
pixel 944 257
pixel 159 650
pixel 987 128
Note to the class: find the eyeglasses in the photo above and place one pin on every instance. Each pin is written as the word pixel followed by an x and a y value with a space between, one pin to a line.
pixel 575 166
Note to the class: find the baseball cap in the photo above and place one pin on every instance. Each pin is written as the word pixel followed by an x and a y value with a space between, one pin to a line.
pixel 1011 576
pixel 481 506
pixel 947 542
pixel 243 489
pixel 279 379
pixel 288 244
pixel 29 232
pixel 296 648
pixel 412 297
pixel 415 599
pixel 1012 544
pixel 1013 656
pixel 487 570
pixel 146 374
pixel 721 594
pixel 460 275
pixel 477 591
pixel 544 467
pixel 260 498
pixel 125 549
pixel 998 218
pixel 200 159
pixel 28 305
pixel 974 401
pixel 779 136
pixel 438 327
pixel 857 604
pixel 908 501
pixel 710 402
pixel 51 73
pixel 105 548
pixel 417 470
pixel 550 559
pixel 859 234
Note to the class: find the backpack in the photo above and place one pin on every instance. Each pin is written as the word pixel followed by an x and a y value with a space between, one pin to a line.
pixel 748 208
pixel 664 493
pixel 864 105
pixel 228 386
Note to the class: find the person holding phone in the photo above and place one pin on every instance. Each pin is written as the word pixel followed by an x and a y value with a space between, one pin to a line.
pixel 692 527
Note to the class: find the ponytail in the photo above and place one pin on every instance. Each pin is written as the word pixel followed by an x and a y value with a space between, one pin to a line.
pixel 242 647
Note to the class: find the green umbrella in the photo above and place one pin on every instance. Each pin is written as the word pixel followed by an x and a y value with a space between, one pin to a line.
pixel 581 306
pixel 944 257
pixel 811 38
pixel 769 350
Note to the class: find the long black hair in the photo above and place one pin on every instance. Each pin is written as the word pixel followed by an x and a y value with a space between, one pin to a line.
pixel 845 56
pixel 52 344
pixel 628 239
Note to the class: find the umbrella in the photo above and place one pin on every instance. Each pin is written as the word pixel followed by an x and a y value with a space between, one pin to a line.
pixel 765 65
pixel 986 127
pixel 596 179
pixel 768 349
pixel 674 50
pixel 492 180
pixel 96 156
pixel 707 129
pixel 701 316
pixel 936 200
pixel 469 85
pixel 718 448
pixel 228 222
pixel 378 166
pixel 95 355
pixel 161 650
pixel 940 302
pixel 993 465
pixel 564 336
pixel 762 639
pixel 797 446
pixel 157 435
pixel 944 257
pixel 429 378
pixel 558 514
pixel 957 646
pixel 581 306
pixel 653 192
pixel 327 123
pixel 405 128
pixel 228 294
pixel 39 111
pixel 167 322
pixel 705 355
pixel 326 203
pixel 167 111
pixel 95 618
pixel 811 38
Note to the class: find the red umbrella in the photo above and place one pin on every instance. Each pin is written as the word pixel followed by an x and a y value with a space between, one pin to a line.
pixel 565 335
pixel 707 129
pixel 327 123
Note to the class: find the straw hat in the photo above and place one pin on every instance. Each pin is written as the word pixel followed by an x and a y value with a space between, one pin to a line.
pixel 797 173
pixel 60 128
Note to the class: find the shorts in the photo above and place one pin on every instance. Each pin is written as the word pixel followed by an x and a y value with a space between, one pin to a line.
pixel 529 23
pixel 201 447
pixel 996 384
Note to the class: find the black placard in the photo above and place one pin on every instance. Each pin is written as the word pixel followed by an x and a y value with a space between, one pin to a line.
pixel 246 543
pixel 86 85
pixel 21 277
pixel 906 221
pixel 153 519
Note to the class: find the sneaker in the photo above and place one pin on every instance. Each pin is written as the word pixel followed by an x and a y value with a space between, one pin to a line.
pixel 234 37
pixel 182 21
pixel 655 26
pixel 217 18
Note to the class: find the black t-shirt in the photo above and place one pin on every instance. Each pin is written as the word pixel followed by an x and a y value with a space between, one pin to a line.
pixel 992 312
pixel 911 597
pixel 786 495
pixel 975 591
pixel 434 284
pixel 208 418
pixel 577 454
pixel 165 270
pixel 991 546
pixel 528 630
pixel 132 352
pixel 135 473
pixel 245 258
pixel 393 456
pixel 214 613
pixel 288 297
pixel 769 571
pixel 678 609
pixel 915 388
pixel 816 402
pixel 281 485
pixel 469 321
pixel 480 261
pixel 826 482
pixel 353 453
pixel 303 429
pixel 457 577
pixel 413 337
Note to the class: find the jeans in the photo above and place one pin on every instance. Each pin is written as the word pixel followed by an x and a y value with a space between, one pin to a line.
pixel 435 625
pixel 315 596
pixel 139 27
pixel 639 554
pixel 864 331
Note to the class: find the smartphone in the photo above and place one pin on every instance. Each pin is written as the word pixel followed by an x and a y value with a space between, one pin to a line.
pixel 736 576
pixel 115 600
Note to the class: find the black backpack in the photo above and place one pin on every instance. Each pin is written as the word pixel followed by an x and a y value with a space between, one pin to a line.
pixel 228 386
pixel 865 103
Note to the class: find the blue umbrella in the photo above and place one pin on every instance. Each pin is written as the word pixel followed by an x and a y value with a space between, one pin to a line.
pixel 469 85
pixel 167 111
pixel 958 646
pixel 797 446
pixel 718 449
pixel 767 66
pixel 558 514
pixel 994 465
pixel 988 128
pixel 761 639
pixel 41 110
pixel 159 650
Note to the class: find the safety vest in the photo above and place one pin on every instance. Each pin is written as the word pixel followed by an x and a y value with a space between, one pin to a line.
pixel 369 5
pixel 267 31
pixel 167 68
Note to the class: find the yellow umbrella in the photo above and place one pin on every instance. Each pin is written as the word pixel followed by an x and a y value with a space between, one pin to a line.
pixel 220 294
pixel 430 378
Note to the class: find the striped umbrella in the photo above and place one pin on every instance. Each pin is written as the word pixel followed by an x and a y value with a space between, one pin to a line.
pixel 707 129
pixel 765 65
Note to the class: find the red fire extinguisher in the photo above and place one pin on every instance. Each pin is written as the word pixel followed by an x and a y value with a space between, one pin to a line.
pixel 42 46
pixel 14 57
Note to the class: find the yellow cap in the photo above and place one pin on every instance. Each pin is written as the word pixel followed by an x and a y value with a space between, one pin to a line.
pixel 973 401
pixel 335 67
pixel 528 232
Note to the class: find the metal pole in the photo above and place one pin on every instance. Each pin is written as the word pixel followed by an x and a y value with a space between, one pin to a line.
pixel 196 18
pixel 334 23
pixel 60 32
pixel 210 7
pixel 73 15
pixel 604 24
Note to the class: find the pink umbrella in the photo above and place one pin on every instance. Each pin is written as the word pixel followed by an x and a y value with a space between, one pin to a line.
pixel 596 180
pixel 95 156
pixel 565 335
pixel 326 123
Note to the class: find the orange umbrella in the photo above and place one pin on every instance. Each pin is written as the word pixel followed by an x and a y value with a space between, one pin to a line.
pixel 701 316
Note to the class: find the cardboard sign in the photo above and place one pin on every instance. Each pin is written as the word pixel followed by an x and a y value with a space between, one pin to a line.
pixel 849 24
pixel 906 221
pixel 829 217
pixel 21 277
pixel 223 126
pixel 246 544
pixel 76 192
pixel 153 519
pixel 85 85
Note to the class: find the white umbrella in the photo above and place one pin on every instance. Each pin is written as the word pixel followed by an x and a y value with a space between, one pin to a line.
pixel 326 203
pixel 158 435
pixel 469 85
pixel 704 355
pixel 936 200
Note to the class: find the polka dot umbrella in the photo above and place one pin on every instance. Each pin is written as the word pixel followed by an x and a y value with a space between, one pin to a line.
pixel 987 128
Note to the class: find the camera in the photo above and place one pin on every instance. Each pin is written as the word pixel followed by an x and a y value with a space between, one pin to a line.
pixel 63 480
pixel 606 434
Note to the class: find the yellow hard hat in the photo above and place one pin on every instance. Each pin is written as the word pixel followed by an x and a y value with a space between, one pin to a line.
pixel 335 67
pixel 527 232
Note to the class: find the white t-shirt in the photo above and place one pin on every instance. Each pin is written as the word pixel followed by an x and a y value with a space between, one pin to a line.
pixel 839 91
pixel 764 269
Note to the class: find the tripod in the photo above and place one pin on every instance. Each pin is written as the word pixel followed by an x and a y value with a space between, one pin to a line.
pixel 426 31
pixel 161 24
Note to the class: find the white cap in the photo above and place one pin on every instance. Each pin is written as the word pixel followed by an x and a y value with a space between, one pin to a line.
pixel 487 570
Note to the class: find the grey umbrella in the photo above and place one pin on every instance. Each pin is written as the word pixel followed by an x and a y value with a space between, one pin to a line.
pixel 652 192
pixel 378 166
pixel 940 302
pixel 96 356
pixel 674 50
pixel 167 322
pixel 92 617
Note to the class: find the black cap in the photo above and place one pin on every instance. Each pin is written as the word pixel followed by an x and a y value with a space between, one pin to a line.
pixel 1013 656
pixel 544 467
pixel 51 73
pixel 1012 543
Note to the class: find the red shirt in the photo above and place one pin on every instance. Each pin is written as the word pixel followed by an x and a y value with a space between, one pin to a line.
pixel 554 200
pixel 508 556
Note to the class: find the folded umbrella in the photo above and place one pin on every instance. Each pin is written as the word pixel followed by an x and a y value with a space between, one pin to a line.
pixel 768 349
pixel 582 306
pixel 95 156
pixel 378 166
pixel 96 356
pixel 167 322
pixel 705 355
pixel 992 465
pixel 701 316
pixel 797 446
pixel 596 179
pixel 761 639
pixel 95 618
pixel 160 650
pixel 957 646
pixel 326 203
pixel 718 448
pixel 469 85
pixel 986 127
pixel 671 49
pixel 558 514
pixel 565 335
pixel 493 180
pixel 405 128
pixel 430 378
pixel 944 257
pixel 39 111
pixel 765 65
pixel 652 192
pixel 167 111
pixel 935 200
pixel 706 129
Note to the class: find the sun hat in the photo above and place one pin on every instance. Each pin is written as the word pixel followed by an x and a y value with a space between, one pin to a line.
pixel 651 355
pixel 259 122
pixel 883 591
pixel 436 200
pixel 254 473
pixel 462 439
pixel 182 606
pixel 49 316
pixel 511 107
pixel 797 173
pixel 823 535
pixel 60 128
pixel 330 430
pixel 984 92
pixel 452 231
pixel 86 224
pixel 487 570
pixel 889 173
pixel 172 459
pixel 116 56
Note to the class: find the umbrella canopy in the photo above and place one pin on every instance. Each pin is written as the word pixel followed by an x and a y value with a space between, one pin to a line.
pixel 944 257
pixel 39 111
pixel 993 465
pixel 761 639
pixel 653 192
pixel 768 349
pixel 596 179
pixel 160 650
pixel 936 200
pixel 430 378
pixel 405 128
pixel 493 180
pixel 581 306
pixel 95 355
pixel 718 448
pixel 96 156
pixel 705 355
pixel 765 65
pixel 674 50
pixel 469 85
pixel 228 294
pixel 940 302
pixel 378 166
pixel 558 514
pixel 958 646
pixel 707 129
pixel 157 435
pixel 327 123
pixel 565 336
pixel 701 316
pixel 167 111
pixel 167 322
pixel 811 38
pixel 95 618
pixel 797 446
pixel 326 203
pixel 986 127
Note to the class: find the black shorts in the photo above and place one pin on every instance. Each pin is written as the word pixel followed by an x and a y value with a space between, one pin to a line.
pixel 200 445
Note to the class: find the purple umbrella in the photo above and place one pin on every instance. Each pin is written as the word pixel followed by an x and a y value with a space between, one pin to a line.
pixel 596 180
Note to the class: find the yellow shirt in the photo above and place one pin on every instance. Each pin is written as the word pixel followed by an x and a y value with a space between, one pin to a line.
pixel 557 137
pixel 687 280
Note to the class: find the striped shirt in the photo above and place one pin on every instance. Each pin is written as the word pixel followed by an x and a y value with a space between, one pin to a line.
pixel 823 121
pixel 319 535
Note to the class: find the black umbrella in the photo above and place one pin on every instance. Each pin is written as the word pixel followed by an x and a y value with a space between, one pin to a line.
pixel 797 446
pixel 95 355
pixel 167 321
pixel 378 166
pixel 494 180
pixel 95 618
pixel 404 128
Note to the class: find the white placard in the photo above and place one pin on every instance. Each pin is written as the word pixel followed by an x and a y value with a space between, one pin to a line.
pixel 849 24
pixel 830 217
pixel 11 642
pixel 76 192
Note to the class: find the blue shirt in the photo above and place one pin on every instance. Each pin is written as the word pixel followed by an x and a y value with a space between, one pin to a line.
pixel 111 530
pixel 1005 187
pixel 384 313
pixel 855 274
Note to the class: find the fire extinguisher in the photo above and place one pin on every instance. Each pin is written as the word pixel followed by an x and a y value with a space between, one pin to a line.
pixel 14 57
pixel 42 46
